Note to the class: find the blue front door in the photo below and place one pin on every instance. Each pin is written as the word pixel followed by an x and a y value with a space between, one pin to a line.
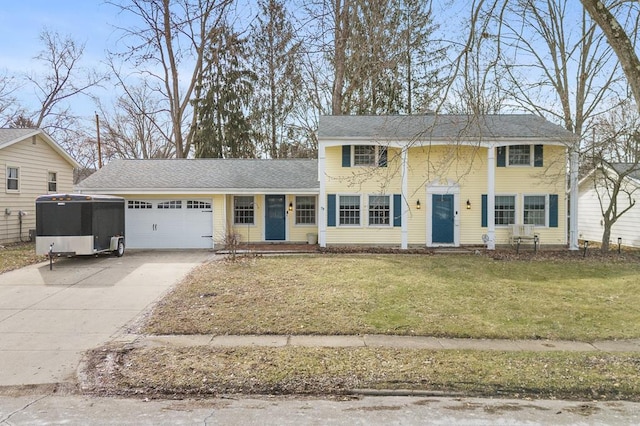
pixel 442 219
pixel 275 218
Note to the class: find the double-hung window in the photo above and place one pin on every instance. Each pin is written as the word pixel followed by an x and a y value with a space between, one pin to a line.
pixel 306 210
pixel 520 155
pixel 13 179
pixel 505 209
pixel 243 210
pixel 370 155
pixel 535 212
pixel 349 210
pixel 379 210
pixel 52 181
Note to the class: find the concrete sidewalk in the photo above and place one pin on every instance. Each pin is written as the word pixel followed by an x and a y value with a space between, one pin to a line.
pixel 381 341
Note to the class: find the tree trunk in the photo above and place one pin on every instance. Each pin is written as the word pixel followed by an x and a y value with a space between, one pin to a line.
pixel 619 42
pixel 342 12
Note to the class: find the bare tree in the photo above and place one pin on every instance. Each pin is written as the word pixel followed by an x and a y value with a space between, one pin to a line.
pixel 621 37
pixel 615 152
pixel 167 48
pixel 9 108
pixel 131 129
pixel 63 79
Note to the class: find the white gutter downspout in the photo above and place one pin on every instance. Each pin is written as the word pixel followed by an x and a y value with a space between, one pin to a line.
pixel 405 201
pixel 491 197
pixel 573 199
pixel 322 201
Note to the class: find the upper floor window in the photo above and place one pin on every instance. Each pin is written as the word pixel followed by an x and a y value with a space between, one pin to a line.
pixel 520 155
pixel 52 182
pixel 13 178
pixel 370 155
pixel 243 210
pixel 305 210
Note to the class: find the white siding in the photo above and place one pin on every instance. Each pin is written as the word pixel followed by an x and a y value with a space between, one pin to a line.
pixel 591 225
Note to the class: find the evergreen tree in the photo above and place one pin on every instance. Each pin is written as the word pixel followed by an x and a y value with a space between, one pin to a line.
pixel 276 58
pixel 226 87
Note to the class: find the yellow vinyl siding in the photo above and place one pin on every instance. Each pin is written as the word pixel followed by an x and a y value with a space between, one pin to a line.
pixel 458 167
pixel 34 161
pixel 298 233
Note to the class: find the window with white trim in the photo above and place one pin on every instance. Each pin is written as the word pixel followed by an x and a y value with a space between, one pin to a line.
pixel 505 209
pixel 194 204
pixel 379 210
pixel 173 204
pixel 519 155
pixel 305 210
pixel 349 210
pixel 13 178
pixel 135 204
pixel 52 181
pixel 370 155
pixel 535 210
pixel 243 210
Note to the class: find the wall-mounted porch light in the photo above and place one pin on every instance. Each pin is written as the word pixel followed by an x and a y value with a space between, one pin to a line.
pixel 418 205
pixel 290 207
pixel 468 205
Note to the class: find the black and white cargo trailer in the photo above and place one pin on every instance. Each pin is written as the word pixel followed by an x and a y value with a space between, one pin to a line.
pixel 77 224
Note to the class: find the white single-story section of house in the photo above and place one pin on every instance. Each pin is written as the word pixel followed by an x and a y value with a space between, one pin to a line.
pixel 202 203
pixel 593 192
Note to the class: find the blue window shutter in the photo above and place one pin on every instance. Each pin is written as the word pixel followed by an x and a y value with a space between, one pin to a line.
pixel 553 210
pixel 397 210
pixel 484 210
pixel 502 156
pixel 331 210
pixel 538 156
pixel 346 155
pixel 382 156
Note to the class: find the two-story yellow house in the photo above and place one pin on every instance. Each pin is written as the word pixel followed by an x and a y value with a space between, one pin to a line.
pixel 400 181
pixel 441 180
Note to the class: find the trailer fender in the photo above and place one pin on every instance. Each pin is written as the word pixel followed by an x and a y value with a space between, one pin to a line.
pixel 117 246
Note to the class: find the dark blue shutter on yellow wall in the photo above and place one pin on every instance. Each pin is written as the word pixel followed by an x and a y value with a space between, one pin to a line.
pixel 331 210
pixel 502 156
pixel 484 210
pixel 553 210
pixel 538 157
pixel 346 155
pixel 397 210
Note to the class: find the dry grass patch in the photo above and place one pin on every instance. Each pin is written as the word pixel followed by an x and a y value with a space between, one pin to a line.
pixel 295 370
pixel 18 255
pixel 451 296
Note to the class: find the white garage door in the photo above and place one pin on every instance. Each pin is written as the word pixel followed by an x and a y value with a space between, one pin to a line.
pixel 169 224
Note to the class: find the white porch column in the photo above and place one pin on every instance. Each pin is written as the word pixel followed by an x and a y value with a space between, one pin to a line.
pixel 322 198
pixel 491 197
pixel 405 201
pixel 574 163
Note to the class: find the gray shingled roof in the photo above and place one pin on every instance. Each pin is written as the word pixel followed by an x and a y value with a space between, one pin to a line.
pixel 623 167
pixel 445 126
pixel 10 135
pixel 204 174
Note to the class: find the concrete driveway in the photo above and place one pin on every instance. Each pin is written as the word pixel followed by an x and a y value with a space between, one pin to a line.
pixel 49 318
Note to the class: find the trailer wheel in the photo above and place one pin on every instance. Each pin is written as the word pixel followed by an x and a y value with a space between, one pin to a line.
pixel 120 250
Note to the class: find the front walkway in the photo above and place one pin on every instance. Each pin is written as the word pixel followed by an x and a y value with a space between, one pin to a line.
pixel 407 342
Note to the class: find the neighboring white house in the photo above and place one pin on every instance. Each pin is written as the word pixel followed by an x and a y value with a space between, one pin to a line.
pixel 592 192
pixel 33 164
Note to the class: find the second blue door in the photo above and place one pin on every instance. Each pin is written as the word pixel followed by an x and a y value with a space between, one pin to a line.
pixel 442 219
pixel 275 218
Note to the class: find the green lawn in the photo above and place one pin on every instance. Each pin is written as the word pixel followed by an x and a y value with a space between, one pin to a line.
pixel 436 295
